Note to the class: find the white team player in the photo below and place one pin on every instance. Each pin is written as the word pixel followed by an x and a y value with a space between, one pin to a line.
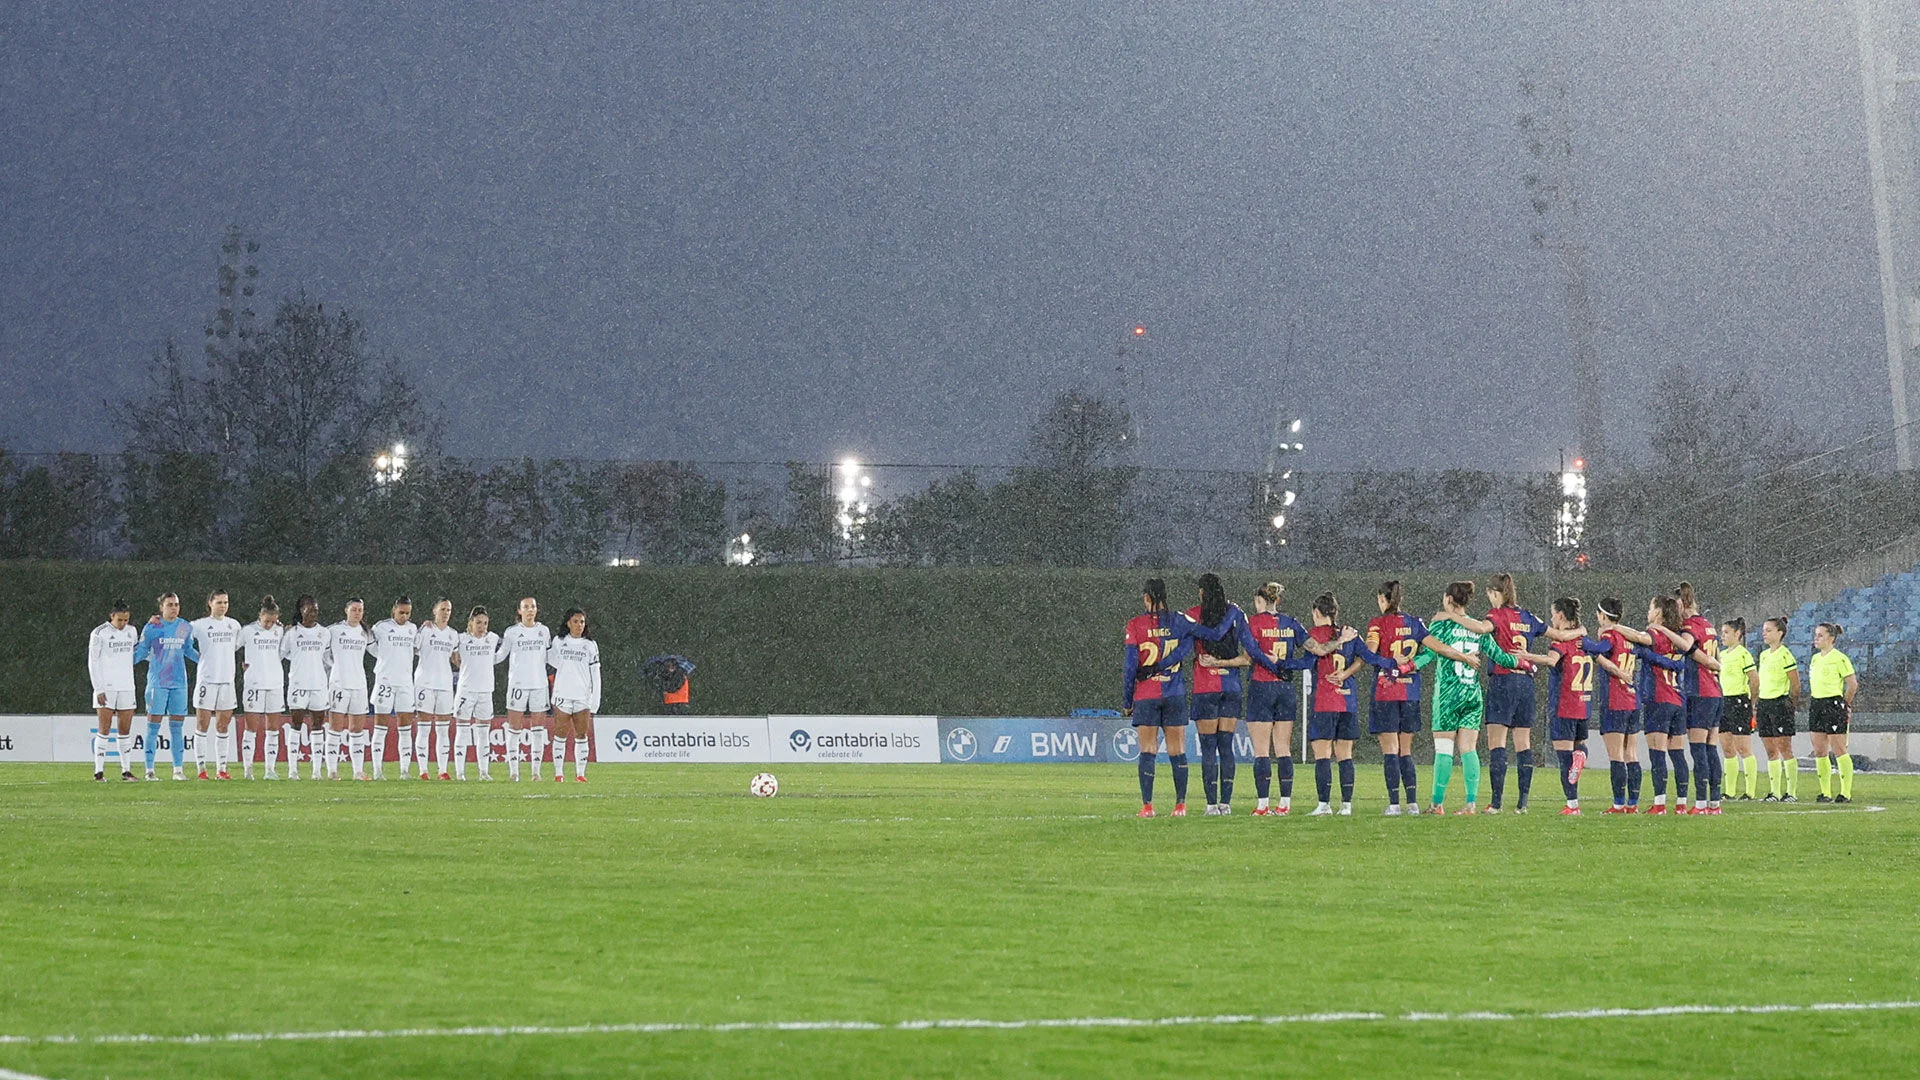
pixel 217 637
pixel 433 686
pixel 524 648
pixel 305 647
pixel 473 697
pixel 575 660
pixel 347 644
pixel 393 648
pixel 110 668
pixel 263 691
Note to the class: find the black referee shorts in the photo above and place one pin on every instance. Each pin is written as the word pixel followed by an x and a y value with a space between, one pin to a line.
pixel 1829 716
pixel 1736 715
pixel 1776 718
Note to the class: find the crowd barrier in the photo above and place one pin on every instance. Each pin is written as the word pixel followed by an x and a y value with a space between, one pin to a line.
pixel 848 739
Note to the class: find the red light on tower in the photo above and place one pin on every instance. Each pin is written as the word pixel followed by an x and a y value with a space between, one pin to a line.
pixel 1579 463
pixel 1139 331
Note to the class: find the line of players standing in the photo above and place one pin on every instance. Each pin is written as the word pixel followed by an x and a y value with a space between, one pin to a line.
pixel 308 684
pixel 1662 683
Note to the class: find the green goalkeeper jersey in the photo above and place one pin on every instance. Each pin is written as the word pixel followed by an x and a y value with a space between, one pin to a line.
pixel 1458 699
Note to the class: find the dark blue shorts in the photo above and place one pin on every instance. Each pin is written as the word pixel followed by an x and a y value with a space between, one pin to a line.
pixel 1333 726
pixel 1391 717
pixel 1272 703
pixel 1620 722
pixel 1159 712
pixel 1565 729
pixel 1704 712
pixel 1510 700
pixel 1221 706
pixel 1667 720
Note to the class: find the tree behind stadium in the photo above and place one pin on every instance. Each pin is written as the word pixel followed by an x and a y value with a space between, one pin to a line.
pixel 266 456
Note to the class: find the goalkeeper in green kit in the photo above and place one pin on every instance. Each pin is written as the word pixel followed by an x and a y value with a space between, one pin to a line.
pixel 1459 699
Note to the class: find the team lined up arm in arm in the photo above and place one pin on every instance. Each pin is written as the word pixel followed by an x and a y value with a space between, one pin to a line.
pixel 1690 648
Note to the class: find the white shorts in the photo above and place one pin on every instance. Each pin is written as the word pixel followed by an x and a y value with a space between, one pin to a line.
pixel 563 705
pixel 214 697
pixel 433 702
pixel 265 700
pixel 473 708
pixel 526 701
pixel 392 698
pixel 349 701
pixel 117 700
pixel 307 700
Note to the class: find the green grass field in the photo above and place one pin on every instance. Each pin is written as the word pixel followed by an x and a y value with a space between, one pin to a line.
pixel 666 895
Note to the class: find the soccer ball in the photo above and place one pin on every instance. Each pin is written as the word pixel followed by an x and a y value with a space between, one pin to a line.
pixel 764 785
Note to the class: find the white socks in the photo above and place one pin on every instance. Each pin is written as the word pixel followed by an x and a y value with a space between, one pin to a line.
pixel 249 744
pixel 580 748
pixel 403 750
pixel 273 752
pixel 515 740
pixel 200 749
pixel 377 750
pixel 459 751
pixel 442 734
pixel 99 752
pixel 539 737
pixel 221 746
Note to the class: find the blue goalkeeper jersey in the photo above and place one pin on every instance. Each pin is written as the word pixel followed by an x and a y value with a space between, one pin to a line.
pixel 166 647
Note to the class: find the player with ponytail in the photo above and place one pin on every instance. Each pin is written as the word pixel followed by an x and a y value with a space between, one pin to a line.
pixel 1393 712
pixel 1157 642
pixel 1273 636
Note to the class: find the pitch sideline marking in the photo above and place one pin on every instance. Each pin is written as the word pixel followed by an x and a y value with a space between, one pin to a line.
pixel 9 1074
pixel 1228 1020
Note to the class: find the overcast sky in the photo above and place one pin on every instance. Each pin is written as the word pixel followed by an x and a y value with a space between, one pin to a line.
pixel 733 231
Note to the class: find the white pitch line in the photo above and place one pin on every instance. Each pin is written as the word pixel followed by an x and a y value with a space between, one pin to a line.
pixel 1227 1020
pixel 9 1074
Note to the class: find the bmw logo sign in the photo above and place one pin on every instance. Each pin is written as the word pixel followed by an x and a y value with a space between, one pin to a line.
pixel 1126 744
pixel 961 744
pixel 799 740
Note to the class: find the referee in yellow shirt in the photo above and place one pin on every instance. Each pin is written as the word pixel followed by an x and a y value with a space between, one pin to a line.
pixel 1736 714
pixel 1832 684
pixel 1777 690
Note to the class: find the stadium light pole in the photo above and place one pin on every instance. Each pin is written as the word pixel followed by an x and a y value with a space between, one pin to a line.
pixel 853 494
pixel 389 466
pixel 1879 81
pixel 740 550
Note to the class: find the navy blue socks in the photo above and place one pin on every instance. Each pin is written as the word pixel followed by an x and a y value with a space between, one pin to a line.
pixel 1323 778
pixel 1346 780
pixel 1223 744
pixel 1262 776
pixel 1210 766
pixel 1147 763
pixel 1179 763
pixel 1497 773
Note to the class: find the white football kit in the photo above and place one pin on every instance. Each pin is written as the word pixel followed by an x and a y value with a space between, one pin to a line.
pixel 433 675
pixel 110 666
pixel 524 648
pixel 393 647
pixel 307 656
pixel 264 679
pixel 347 667
pixel 576 674
pixel 213 684
pixel 473 699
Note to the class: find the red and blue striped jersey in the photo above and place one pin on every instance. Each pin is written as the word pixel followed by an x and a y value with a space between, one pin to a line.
pixel 1396 637
pixel 1513 629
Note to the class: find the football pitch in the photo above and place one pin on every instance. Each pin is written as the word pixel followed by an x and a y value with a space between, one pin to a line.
pixel 937 921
